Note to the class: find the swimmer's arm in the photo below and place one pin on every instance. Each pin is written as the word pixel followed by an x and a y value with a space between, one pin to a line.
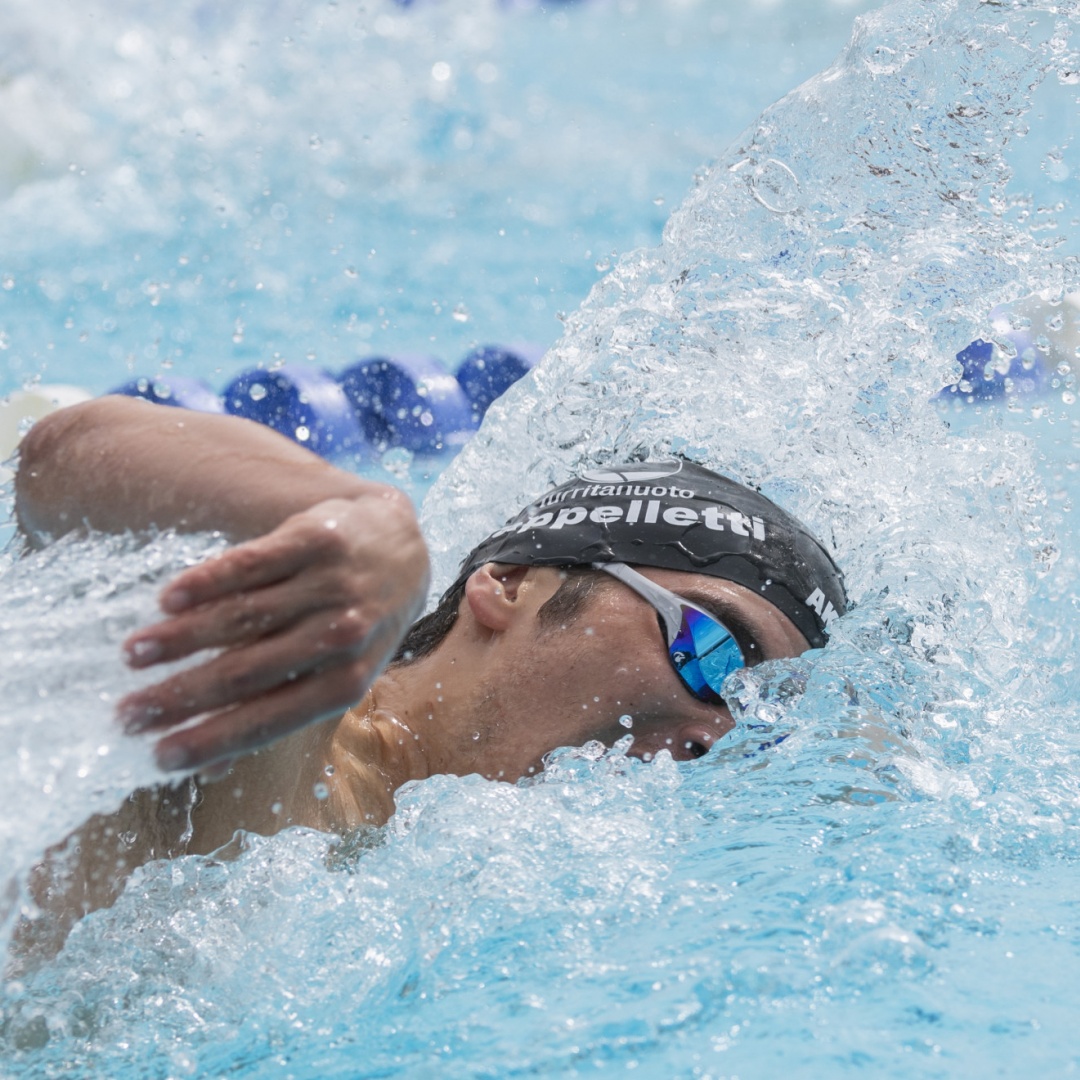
pixel 119 463
pixel 306 612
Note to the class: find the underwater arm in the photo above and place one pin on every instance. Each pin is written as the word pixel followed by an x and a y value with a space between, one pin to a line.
pixel 307 611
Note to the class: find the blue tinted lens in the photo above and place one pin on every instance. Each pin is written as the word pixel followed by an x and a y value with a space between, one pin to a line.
pixel 704 653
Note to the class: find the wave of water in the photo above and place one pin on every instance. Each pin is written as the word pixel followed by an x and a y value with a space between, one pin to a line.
pixel 876 871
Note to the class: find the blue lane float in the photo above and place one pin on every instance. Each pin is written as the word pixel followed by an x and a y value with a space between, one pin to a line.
pixel 180 391
pixel 413 401
pixel 982 378
pixel 406 400
pixel 410 400
pixel 489 371
pixel 302 403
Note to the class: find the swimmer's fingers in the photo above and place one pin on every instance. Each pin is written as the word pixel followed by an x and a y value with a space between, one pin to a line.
pixel 241 618
pixel 318 644
pixel 231 733
pixel 378 533
pixel 257 563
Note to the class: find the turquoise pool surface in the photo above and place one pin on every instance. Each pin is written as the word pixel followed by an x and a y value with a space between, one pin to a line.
pixel 876 872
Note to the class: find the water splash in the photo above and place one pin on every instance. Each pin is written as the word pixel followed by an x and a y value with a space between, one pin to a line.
pixel 878 867
pixel 64 613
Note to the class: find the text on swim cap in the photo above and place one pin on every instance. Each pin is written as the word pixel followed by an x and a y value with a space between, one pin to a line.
pixel 640 512
pixel 826 612
pixel 607 491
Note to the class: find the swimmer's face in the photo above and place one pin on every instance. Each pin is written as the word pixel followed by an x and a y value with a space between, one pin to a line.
pixel 566 685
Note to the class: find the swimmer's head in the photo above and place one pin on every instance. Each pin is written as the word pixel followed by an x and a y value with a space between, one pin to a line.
pixel 547 650
pixel 675 515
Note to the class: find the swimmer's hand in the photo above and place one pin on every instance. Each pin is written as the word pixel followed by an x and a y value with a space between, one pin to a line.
pixel 306 616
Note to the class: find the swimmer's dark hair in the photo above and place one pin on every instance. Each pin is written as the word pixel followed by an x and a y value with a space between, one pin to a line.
pixel 427 633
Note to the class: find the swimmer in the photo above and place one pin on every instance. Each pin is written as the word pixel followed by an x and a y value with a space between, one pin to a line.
pixel 623 597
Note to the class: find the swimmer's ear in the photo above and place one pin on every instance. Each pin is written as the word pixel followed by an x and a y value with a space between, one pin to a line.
pixel 492 593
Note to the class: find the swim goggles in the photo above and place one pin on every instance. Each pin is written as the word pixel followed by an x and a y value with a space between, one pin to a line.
pixel 702 651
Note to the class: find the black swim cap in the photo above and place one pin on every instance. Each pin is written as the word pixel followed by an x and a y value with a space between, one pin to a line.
pixel 677 516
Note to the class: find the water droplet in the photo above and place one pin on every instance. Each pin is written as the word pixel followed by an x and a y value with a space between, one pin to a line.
pixel 321 791
pixel 476 736
pixel 460 313
pixel 314 142
pixel 8 282
pixel 257 391
pixel 441 71
pixel 276 808
pixel 303 433
pixel 626 721
pixel 1055 168
pixel 397 462
pixel 350 272
pixel 776 187
pixel 328 770
pixel 658 201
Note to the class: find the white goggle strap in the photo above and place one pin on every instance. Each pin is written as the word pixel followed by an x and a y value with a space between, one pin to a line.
pixel 666 602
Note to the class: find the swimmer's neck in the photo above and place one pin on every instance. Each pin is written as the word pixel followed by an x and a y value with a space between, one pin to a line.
pixel 337 775
pixel 418 720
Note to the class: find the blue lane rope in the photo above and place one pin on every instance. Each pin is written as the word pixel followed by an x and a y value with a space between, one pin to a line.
pixel 414 401
pixel 379 402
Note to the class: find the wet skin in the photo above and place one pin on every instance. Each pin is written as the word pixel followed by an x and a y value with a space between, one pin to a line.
pixel 544 688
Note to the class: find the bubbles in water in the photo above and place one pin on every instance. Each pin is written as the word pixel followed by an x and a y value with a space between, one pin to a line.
pixel 626 721
pixel 397 461
pixel 257 391
pixel 774 185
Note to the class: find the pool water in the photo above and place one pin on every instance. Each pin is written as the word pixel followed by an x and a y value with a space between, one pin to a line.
pixel 876 872
pixel 194 187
